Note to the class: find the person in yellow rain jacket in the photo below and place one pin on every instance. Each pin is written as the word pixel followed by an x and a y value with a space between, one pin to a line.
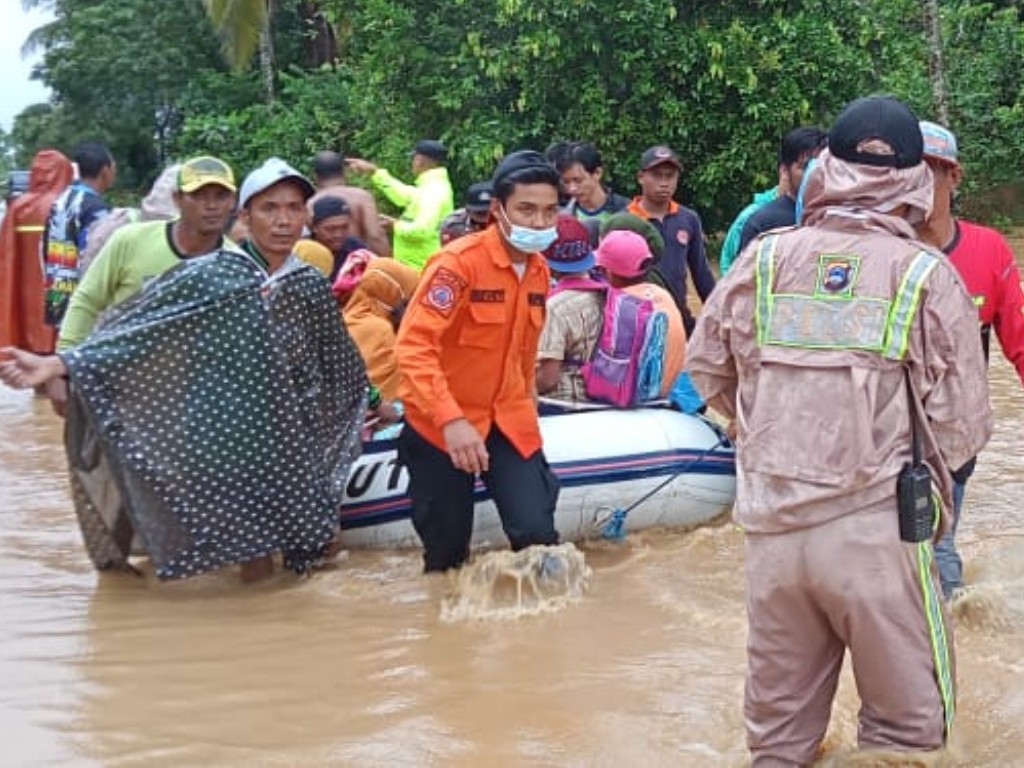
pixel 425 204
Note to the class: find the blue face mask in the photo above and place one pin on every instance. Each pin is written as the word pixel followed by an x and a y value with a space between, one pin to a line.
pixel 526 239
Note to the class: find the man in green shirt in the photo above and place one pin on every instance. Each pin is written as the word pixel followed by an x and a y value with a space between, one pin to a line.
pixel 205 196
pixel 425 204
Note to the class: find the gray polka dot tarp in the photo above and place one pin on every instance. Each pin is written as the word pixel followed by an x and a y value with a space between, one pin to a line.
pixel 215 416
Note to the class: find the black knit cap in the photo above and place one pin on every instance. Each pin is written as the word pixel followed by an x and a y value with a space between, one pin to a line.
pixel 431 148
pixel 329 206
pixel 877 117
pixel 515 163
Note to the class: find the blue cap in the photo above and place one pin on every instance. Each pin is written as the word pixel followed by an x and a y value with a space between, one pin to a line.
pixel 939 143
pixel 571 252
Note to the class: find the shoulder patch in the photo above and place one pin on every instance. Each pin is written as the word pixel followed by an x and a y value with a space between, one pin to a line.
pixel 837 274
pixel 443 292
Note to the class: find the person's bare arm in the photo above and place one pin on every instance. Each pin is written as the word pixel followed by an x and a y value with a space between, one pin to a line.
pixel 21 370
pixel 373 232
pixel 548 374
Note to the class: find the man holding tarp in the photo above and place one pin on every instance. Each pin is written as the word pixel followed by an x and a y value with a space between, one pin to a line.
pixel 216 414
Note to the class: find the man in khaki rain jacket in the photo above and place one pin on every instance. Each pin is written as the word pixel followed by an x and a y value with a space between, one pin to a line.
pixel 806 345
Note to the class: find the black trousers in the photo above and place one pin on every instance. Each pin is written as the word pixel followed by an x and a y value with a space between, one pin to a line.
pixel 524 490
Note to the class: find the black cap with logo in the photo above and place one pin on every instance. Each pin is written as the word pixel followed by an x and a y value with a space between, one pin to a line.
pixel 656 156
pixel 881 118
pixel 479 196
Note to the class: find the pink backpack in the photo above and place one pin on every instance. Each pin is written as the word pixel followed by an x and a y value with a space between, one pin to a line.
pixel 626 366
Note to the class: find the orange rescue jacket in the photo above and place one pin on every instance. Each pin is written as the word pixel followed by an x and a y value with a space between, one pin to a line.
pixel 467 346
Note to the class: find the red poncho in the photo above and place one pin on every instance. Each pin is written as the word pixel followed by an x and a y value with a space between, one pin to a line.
pixel 21 276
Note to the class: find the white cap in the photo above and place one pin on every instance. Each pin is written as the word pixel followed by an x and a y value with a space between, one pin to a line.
pixel 273 171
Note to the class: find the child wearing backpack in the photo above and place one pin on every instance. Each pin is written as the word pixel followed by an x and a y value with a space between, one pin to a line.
pixel 625 257
pixel 575 307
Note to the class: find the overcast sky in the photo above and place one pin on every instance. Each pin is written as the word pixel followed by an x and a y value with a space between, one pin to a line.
pixel 16 90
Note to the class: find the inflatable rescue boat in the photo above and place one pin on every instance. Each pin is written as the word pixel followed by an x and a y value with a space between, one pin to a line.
pixel 606 459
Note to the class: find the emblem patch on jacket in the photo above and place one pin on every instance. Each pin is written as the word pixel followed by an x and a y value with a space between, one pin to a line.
pixel 837 274
pixel 443 292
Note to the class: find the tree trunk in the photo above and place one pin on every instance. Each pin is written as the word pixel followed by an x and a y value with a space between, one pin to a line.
pixel 321 39
pixel 936 68
pixel 268 66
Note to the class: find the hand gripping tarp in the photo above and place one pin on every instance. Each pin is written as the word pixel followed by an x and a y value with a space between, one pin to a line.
pixel 215 416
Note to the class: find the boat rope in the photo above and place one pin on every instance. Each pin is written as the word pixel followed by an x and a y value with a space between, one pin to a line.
pixel 615 528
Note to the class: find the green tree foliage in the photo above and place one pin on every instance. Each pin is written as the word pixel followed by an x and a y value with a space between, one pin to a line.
pixel 41 126
pixel 984 59
pixel 306 117
pixel 118 70
pixel 720 82
pixel 240 24
pixel 7 154
pixel 131 71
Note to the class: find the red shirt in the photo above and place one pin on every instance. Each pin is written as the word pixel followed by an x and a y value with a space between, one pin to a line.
pixel 989 270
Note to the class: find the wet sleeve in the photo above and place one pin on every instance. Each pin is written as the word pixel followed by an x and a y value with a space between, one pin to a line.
pixel 700 270
pixel 94 208
pixel 950 369
pixel 1009 310
pixel 394 190
pixel 529 366
pixel 92 296
pixel 552 337
pixel 441 295
pixel 529 362
pixel 377 240
pixel 10 280
pixel 432 204
pixel 731 244
pixel 709 358
pixel 749 232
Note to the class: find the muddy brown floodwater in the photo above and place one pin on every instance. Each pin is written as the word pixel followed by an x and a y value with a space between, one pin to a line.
pixel 356 667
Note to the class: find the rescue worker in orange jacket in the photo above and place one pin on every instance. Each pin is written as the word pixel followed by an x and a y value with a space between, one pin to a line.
pixel 21 272
pixel 466 354
pixel 849 357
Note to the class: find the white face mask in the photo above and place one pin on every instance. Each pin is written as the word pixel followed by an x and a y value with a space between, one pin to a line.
pixel 526 239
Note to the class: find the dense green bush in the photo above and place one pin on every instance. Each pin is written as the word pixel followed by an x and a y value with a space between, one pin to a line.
pixel 719 81
pixel 309 115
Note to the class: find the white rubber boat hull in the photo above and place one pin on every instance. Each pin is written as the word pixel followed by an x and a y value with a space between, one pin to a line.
pixel 604 459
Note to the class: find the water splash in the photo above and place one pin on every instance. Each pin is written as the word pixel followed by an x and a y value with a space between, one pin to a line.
pixel 509 585
pixel 981 607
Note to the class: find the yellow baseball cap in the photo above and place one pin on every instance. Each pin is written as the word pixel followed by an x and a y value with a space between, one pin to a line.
pixel 200 171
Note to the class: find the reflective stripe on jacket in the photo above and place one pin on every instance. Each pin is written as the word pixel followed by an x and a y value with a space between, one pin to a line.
pixel 806 346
